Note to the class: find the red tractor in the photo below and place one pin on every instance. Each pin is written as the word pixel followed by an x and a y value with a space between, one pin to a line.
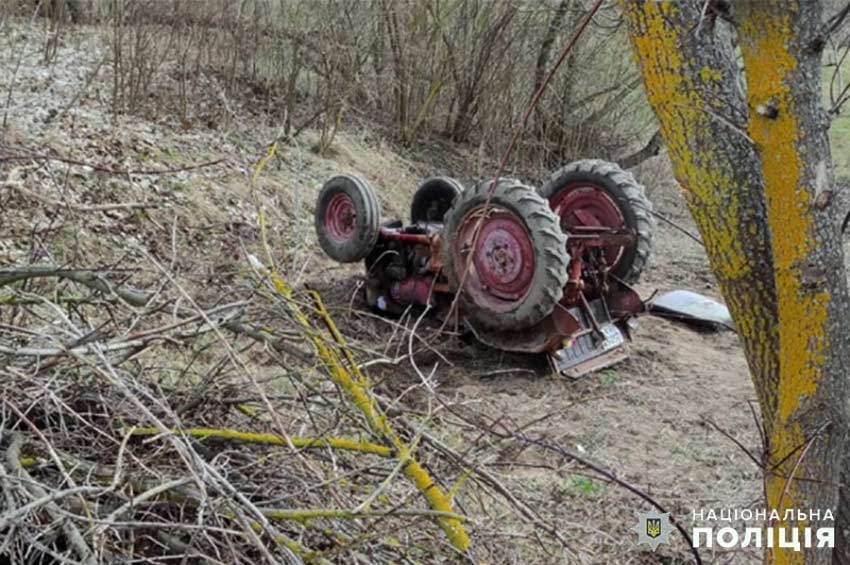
pixel 525 270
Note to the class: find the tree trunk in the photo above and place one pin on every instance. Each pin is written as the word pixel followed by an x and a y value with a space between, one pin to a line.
pixel 545 51
pixel 400 80
pixel 782 58
pixel 756 174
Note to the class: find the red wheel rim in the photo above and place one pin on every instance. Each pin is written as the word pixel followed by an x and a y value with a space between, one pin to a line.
pixel 587 205
pixel 340 216
pixel 501 269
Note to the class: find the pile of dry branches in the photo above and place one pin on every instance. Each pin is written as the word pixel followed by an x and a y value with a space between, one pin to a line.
pixel 139 424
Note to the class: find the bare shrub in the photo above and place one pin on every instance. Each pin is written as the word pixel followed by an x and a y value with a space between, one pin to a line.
pixel 464 69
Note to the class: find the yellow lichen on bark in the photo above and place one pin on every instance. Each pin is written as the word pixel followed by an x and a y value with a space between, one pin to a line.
pixel 802 314
pixel 672 94
pixel 357 386
pixel 343 444
pixel 750 191
pixel 351 379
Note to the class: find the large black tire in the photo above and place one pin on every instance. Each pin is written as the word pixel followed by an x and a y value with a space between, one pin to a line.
pixel 433 199
pixel 548 276
pixel 347 218
pixel 628 195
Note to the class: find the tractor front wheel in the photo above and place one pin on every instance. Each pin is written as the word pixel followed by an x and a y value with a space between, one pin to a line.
pixel 506 257
pixel 347 218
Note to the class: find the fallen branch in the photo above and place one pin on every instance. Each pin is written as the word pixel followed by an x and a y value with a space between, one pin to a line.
pixel 12 516
pixel 254 437
pixel 300 515
pixel 75 538
pixel 490 480
pixel 85 277
pixel 104 168
pixel 78 207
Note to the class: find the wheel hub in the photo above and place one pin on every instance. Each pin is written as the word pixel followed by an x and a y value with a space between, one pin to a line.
pixel 340 218
pixel 504 257
pixel 502 263
pixel 586 205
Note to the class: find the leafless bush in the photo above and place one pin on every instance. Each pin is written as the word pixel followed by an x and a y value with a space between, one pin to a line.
pixel 464 69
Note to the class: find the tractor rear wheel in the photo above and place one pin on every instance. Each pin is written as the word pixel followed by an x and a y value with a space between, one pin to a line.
pixel 507 259
pixel 433 199
pixel 347 218
pixel 596 193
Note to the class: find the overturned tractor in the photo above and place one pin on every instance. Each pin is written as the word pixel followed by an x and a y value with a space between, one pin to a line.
pixel 523 270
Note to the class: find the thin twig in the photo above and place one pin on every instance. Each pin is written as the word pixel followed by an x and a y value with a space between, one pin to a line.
pixel 108 170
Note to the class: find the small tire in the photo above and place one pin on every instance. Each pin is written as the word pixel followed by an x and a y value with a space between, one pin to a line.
pixel 520 246
pixel 347 218
pixel 625 192
pixel 433 199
